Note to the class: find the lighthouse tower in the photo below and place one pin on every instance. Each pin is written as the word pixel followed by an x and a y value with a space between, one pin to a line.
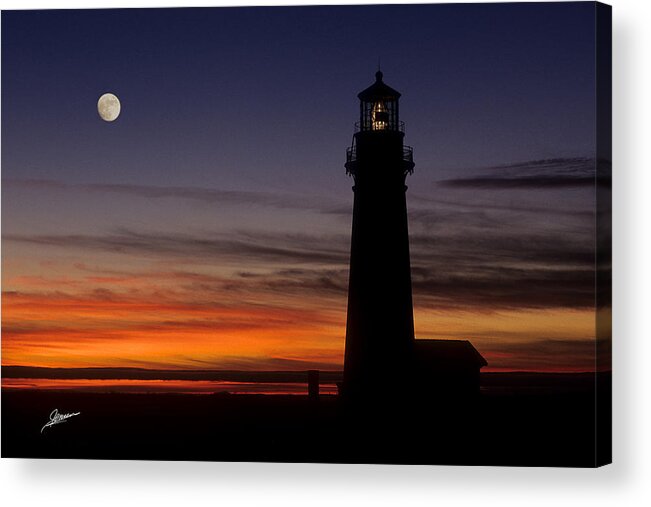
pixel 380 324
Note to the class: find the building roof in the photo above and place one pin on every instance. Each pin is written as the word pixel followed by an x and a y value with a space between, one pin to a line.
pixel 448 352
pixel 378 90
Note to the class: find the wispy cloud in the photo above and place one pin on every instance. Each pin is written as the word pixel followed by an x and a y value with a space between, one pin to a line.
pixel 206 195
pixel 486 269
pixel 537 174
pixel 242 246
pixel 543 354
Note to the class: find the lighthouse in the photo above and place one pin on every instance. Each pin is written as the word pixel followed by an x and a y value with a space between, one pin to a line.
pixel 380 323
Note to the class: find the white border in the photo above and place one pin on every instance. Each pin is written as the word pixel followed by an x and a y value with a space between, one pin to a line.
pixel 627 482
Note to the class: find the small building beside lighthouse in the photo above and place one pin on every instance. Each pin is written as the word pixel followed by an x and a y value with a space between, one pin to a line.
pixel 380 345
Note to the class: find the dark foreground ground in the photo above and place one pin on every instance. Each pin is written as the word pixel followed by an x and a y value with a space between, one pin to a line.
pixel 551 424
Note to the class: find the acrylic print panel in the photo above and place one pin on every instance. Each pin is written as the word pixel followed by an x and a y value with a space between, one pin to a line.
pixel 187 274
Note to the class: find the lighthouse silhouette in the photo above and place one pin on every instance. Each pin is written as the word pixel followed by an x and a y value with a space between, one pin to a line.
pixel 380 323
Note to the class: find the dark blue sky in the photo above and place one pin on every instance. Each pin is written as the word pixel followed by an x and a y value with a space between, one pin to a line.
pixel 264 97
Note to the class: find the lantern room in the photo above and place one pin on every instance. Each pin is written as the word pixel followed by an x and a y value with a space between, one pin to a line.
pixel 379 107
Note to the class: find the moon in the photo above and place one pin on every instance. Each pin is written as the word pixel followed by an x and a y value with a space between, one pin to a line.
pixel 108 107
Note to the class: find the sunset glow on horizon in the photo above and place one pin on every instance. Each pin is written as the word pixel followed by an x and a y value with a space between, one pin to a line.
pixel 114 321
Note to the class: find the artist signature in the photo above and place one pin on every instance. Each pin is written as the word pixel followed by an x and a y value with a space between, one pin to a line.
pixel 56 418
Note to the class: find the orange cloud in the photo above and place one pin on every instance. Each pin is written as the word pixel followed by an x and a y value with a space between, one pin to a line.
pixel 269 319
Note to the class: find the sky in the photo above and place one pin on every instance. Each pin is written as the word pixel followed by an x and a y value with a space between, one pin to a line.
pixel 209 225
